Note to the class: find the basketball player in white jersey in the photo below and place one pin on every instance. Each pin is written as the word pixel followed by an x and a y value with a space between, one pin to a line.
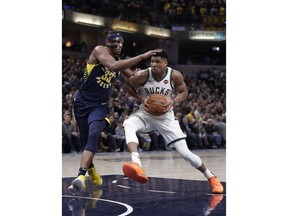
pixel 159 79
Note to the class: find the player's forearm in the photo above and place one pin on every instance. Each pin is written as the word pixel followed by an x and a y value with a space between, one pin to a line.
pixel 127 63
pixel 131 91
pixel 180 97
pixel 127 73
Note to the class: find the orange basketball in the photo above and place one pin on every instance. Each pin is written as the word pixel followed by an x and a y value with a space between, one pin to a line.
pixel 157 103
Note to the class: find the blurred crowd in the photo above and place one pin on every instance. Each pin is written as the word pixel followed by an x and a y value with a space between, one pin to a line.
pixel 202 116
pixel 170 14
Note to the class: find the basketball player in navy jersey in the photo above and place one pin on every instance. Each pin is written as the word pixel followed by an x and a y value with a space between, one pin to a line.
pixel 161 79
pixel 91 102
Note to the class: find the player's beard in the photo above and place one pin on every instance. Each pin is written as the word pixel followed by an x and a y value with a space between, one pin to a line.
pixel 117 51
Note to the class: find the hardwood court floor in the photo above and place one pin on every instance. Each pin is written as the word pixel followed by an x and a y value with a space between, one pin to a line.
pixel 174 186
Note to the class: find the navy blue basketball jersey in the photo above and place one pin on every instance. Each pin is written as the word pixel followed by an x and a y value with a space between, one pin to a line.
pixel 97 84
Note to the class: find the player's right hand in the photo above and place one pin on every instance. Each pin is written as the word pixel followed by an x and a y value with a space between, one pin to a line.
pixel 151 53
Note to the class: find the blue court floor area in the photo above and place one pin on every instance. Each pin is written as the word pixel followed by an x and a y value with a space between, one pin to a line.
pixel 120 196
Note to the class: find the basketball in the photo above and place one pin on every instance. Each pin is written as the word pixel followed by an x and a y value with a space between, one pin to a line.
pixel 157 104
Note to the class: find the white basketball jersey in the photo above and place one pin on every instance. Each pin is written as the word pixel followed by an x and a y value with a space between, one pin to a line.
pixel 166 124
pixel 163 86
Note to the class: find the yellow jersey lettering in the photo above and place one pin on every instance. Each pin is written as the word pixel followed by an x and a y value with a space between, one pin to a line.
pixel 108 76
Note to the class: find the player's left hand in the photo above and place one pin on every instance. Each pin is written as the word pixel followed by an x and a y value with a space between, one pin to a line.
pixel 146 105
pixel 169 105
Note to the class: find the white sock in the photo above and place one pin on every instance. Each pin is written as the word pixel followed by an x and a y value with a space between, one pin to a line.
pixel 208 174
pixel 135 158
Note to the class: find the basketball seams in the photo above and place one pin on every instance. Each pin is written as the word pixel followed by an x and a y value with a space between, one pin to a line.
pixel 156 104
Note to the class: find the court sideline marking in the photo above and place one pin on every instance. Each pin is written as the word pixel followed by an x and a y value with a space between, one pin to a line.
pixel 129 208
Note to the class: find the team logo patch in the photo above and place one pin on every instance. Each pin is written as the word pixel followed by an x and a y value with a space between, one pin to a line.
pixel 165 81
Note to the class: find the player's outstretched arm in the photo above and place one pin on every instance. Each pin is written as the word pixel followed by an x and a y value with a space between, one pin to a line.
pixel 102 54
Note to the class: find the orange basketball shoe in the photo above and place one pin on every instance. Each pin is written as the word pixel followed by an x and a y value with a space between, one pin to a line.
pixel 216 185
pixel 135 172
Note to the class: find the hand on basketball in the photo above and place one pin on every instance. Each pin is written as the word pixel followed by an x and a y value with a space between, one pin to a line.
pixel 146 105
pixel 169 105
